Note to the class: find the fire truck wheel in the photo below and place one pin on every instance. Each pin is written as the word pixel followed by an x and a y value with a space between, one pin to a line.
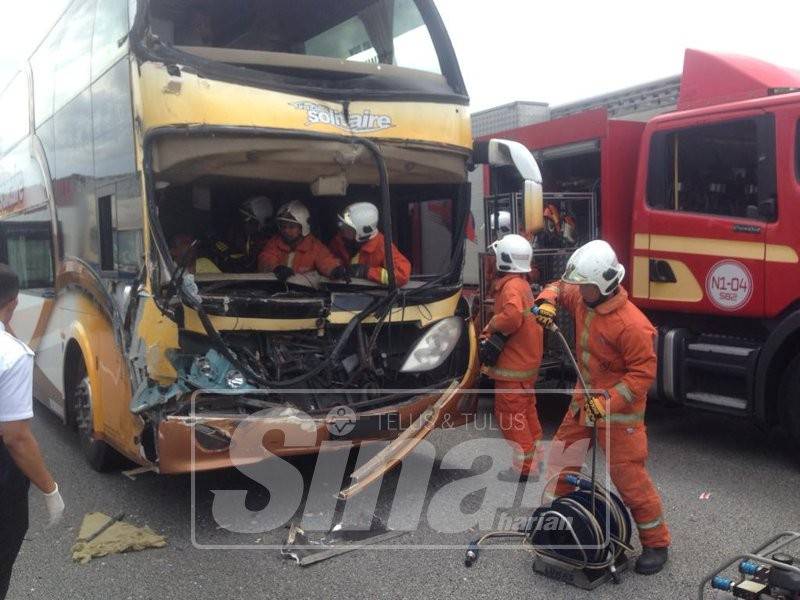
pixel 789 399
pixel 100 456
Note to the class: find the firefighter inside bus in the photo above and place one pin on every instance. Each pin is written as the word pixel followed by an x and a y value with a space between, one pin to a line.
pixel 214 241
pixel 361 246
pixel 356 251
pixel 209 231
pixel 245 237
pixel 294 250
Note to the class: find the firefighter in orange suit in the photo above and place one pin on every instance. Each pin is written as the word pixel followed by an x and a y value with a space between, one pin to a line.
pixel 511 352
pixel 295 250
pixel 362 247
pixel 614 349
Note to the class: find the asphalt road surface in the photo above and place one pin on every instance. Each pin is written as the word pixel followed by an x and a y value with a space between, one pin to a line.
pixel 753 487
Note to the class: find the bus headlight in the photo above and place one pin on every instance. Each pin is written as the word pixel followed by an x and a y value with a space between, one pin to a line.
pixel 435 346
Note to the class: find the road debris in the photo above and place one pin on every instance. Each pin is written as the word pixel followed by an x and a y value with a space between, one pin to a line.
pixel 306 550
pixel 101 535
pixel 133 473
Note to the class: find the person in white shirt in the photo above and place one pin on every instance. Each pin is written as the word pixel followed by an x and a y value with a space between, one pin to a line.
pixel 20 459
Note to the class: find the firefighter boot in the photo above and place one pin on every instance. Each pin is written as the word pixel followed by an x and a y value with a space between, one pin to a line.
pixel 652 560
pixel 512 475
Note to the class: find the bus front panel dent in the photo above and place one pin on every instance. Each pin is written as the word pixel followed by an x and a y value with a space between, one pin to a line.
pixel 201 441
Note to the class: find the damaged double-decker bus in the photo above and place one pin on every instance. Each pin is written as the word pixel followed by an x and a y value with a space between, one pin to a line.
pixel 146 141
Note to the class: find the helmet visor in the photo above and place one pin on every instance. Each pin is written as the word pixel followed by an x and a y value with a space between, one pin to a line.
pixel 572 275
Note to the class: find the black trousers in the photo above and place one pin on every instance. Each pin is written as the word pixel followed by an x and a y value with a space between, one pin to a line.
pixel 13 515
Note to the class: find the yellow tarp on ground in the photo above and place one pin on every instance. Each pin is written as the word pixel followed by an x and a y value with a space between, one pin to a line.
pixel 120 537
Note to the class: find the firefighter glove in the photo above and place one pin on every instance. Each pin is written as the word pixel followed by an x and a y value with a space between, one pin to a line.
pixel 595 407
pixel 491 347
pixel 283 272
pixel 339 272
pixel 357 271
pixel 545 314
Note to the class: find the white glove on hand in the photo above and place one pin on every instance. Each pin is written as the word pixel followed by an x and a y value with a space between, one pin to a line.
pixel 55 506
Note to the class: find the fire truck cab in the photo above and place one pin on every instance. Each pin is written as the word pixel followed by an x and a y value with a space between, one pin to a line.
pixel 702 205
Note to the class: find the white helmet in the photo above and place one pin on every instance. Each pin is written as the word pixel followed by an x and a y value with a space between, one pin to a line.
pixel 362 217
pixel 297 213
pixel 596 263
pixel 257 208
pixel 503 223
pixel 513 254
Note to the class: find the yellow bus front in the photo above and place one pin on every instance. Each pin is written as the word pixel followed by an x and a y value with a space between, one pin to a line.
pixel 285 102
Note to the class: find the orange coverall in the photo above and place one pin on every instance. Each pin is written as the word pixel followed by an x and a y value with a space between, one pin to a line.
pixel 517 368
pixel 614 350
pixel 309 255
pixel 372 254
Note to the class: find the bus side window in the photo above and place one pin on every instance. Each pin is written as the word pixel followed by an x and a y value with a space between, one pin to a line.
pixel 73 60
pixel 43 65
pixel 110 28
pixel 14 125
pixel 26 246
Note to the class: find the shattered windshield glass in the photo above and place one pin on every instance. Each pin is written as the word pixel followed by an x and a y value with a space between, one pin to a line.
pixel 388 32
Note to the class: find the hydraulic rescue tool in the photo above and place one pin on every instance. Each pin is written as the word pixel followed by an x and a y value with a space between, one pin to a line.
pixel 767 573
pixel 588 530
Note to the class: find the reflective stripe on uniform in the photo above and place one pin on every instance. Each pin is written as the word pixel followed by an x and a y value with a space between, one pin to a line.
pixel 624 391
pixel 511 373
pixel 290 260
pixel 384 277
pixel 523 456
pixel 585 355
pixel 651 524
pixel 627 418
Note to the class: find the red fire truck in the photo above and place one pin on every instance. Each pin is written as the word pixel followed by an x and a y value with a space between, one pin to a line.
pixel 702 205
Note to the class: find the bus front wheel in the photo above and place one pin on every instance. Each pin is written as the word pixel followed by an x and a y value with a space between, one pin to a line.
pixel 100 456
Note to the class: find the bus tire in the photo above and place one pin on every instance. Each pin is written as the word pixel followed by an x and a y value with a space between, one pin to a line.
pixel 100 456
pixel 789 399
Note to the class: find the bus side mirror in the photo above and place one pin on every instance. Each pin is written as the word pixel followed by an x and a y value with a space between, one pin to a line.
pixel 506 153
pixel 533 207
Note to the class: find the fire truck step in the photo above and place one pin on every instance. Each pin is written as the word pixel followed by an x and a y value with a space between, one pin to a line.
pixel 717 400
pixel 721 349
